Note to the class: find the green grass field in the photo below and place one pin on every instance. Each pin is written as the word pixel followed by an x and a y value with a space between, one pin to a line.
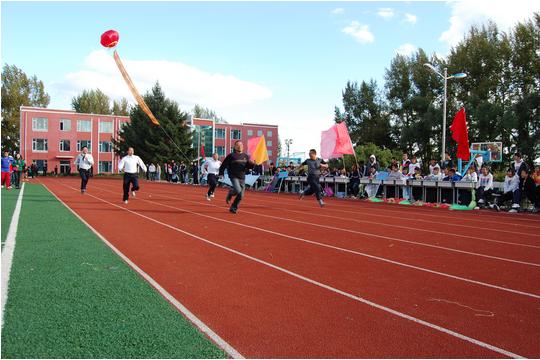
pixel 70 296
pixel 9 199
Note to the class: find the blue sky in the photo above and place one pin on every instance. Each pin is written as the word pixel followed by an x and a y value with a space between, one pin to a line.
pixel 279 62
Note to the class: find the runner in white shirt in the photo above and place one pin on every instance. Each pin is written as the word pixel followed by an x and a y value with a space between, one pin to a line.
pixel 84 162
pixel 211 167
pixel 130 166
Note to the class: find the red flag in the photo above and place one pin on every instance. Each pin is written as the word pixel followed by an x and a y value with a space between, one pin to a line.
pixel 336 142
pixel 460 134
pixel 202 150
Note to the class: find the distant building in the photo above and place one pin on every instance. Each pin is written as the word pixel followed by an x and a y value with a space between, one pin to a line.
pixel 51 138
pixel 220 137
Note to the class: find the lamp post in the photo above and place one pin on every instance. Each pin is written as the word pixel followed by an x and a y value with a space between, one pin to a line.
pixel 288 143
pixel 445 77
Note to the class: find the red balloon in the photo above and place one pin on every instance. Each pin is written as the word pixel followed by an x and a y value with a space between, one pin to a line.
pixel 110 38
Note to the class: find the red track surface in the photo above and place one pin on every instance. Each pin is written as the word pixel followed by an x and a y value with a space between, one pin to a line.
pixel 293 280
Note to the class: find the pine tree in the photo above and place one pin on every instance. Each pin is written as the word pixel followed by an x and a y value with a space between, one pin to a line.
pixel 150 141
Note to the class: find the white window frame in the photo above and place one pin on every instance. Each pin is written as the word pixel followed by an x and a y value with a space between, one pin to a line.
pixel 100 166
pixel 239 133
pixel 269 133
pixel 269 142
pixel 60 147
pixel 63 123
pixel 218 131
pixel 269 152
pixel 80 146
pixel 35 124
pixel 105 131
pixel 45 145
pixel 222 153
pixel 100 147
pixel 259 132
pixel 79 127
pixel 250 132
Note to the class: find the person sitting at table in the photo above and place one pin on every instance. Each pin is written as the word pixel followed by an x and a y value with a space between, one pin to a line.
pixel 431 192
pixel 394 174
pixel 465 196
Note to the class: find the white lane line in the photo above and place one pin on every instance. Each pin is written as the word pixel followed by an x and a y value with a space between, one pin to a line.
pixel 324 286
pixel 8 250
pixel 370 222
pixel 384 237
pixel 455 277
pixel 232 352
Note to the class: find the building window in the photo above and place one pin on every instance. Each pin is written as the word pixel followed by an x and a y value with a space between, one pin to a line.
pixel 83 143
pixel 269 133
pixel 236 134
pixel 40 124
pixel 220 150
pixel 65 145
pixel 269 143
pixel 269 152
pixel 65 125
pixel 105 127
pixel 40 145
pixel 220 133
pixel 232 149
pixel 259 132
pixel 105 166
pixel 84 126
pixel 250 132
pixel 105 146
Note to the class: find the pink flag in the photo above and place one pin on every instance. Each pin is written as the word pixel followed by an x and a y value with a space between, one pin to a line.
pixel 343 144
pixel 336 142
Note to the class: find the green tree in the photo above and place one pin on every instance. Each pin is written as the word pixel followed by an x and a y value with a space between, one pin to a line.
pixel 92 102
pixel 150 141
pixel 120 107
pixel 201 112
pixel 18 90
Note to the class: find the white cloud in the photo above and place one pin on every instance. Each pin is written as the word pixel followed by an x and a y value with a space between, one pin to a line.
pixel 410 18
pixel 360 32
pixel 338 11
pixel 504 13
pixel 184 83
pixel 406 49
pixel 386 13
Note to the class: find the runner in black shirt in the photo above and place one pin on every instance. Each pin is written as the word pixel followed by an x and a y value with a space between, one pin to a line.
pixel 236 164
pixel 314 165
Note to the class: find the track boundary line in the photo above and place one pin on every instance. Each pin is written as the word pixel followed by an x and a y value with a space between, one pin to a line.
pixel 171 299
pixel 324 286
pixel 8 251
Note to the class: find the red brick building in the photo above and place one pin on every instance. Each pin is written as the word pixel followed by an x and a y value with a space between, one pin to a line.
pixel 220 137
pixel 53 138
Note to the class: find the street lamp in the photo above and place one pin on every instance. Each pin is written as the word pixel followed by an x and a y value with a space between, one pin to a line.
pixel 445 78
pixel 288 143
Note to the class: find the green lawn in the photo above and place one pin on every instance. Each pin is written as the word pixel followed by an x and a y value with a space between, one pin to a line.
pixel 71 297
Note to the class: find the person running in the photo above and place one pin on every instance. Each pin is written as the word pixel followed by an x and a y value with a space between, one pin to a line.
pixel 84 162
pixel 314 165
pixel 211 168
pixel 130 166
pixel 236 164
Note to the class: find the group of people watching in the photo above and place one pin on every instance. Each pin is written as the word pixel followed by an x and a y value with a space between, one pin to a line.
pixel 15 170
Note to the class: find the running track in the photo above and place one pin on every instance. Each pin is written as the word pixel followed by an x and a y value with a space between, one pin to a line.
pixel 285 278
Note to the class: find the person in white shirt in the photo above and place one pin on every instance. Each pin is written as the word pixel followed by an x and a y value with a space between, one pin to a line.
pixel 84 162
pixel 511 191
pixel 130 166
pixel 211 168
pixel 152 171
pixel 484 186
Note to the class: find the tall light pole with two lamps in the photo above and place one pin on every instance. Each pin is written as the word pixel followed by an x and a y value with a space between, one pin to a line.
pixel 288 143
pixel 445 77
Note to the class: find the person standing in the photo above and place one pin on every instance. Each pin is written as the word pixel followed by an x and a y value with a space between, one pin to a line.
pixel 236 164
pixel 314 165
pixel 211 169
pixel 195 173
pixel 7 163
pixel 18 167
pixel 84 163
pixel 158 172
pixel 152 171
pixel 130 166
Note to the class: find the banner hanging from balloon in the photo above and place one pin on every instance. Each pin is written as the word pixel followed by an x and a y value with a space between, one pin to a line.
pixel 109 39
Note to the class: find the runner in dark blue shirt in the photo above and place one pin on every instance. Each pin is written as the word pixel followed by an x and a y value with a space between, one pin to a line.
pixel 236 164
pixel 314 165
